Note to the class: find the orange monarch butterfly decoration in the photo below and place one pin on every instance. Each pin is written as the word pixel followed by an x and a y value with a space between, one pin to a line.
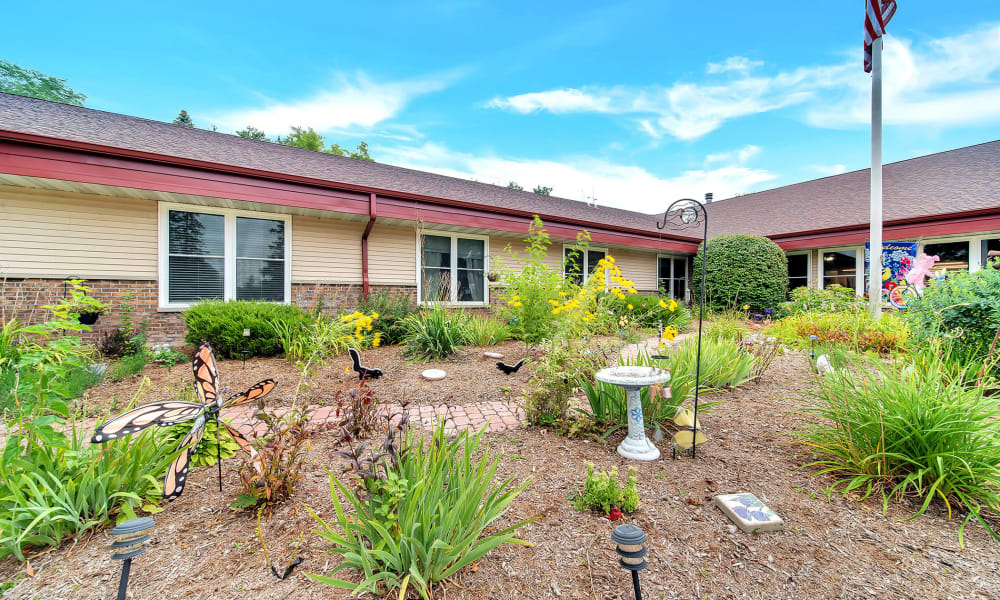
pixel 171 412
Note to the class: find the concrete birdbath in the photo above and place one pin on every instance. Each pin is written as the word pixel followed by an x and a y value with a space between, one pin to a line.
pixel 636 445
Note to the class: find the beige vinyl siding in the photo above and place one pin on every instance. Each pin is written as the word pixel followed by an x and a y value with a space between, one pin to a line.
pixel 46 233
pixel 510 252
pixel 326 250
pixel 392 255
pixel 637 266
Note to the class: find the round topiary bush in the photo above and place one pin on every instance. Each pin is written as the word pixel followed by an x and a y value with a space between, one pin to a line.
pixel 742 270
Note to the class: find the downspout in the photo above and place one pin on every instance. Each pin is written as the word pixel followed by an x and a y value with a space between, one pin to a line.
pixel 364 245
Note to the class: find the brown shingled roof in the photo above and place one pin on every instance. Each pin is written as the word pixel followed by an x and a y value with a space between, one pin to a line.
pixel 947 182
pixel 29 115
pixel 961 180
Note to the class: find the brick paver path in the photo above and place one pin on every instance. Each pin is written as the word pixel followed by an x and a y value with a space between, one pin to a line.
pixel 498 415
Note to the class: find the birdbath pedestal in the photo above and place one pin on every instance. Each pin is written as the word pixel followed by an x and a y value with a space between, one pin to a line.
pixel 636 445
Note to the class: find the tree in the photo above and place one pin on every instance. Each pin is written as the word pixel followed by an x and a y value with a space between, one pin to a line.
pixel 252 133
pixel 515 186
pixel 35 84
pixel 183 118
pixel 542 189
pixel 310 140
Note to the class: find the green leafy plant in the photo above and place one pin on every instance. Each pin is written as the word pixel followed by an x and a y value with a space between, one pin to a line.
pixel 529 287
pixel 54 484
pixel 128 365
pixel 392 309
pixel 222 323
pixel 742 270
pixel 426 521
pixel 902 428
pixel 212 443
pixel 727 325
pixel 270 476
pixel 483 330
pixel 648 311
pixel 602 490
pixel 832 298
pixel 434 334
pixel 555 377
pixel 855 330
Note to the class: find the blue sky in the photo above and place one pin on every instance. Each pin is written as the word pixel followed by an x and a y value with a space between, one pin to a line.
pixel 636 103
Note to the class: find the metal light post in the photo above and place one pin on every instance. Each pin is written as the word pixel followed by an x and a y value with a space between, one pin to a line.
pixel 683 214
pixel 130 541
pixel 630 548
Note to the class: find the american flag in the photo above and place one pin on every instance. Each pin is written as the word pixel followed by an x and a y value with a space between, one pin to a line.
pixel 877 16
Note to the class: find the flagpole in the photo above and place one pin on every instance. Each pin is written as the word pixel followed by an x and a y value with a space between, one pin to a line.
pixel 875 218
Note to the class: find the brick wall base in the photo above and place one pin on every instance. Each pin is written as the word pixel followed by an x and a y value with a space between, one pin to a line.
pixel 24 298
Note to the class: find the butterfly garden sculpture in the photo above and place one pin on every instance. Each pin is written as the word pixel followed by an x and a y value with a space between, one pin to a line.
pixel 172 412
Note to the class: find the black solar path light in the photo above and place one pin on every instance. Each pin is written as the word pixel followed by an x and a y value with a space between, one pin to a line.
pixel 630 539
pixel 130 541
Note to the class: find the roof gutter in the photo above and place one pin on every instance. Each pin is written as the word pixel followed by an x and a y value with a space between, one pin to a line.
pixel 56 142
pixel 372 214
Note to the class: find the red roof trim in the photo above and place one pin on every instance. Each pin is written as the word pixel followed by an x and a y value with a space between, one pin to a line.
pixel 43 140
pixel 951 224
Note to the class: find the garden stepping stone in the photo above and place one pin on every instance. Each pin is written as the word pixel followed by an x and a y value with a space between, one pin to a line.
pixel 433 374
pixel 750 514
pixel 493 355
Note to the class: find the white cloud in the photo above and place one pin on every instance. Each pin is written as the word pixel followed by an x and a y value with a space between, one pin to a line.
pixel 554 101
pixel 943 82
pixel 738 156
pixel 741 64
pixel 351 101
pixel 612 184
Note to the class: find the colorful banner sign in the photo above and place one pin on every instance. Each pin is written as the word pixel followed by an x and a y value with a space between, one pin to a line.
pixel 897 260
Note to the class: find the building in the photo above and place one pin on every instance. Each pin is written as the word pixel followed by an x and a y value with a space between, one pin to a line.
pixel 171 214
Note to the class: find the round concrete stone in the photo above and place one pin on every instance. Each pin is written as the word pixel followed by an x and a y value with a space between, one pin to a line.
pixel 433 374
pixel 493 355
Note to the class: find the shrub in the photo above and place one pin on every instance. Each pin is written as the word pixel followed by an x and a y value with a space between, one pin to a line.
pixel 434 333
pixel 601 491
pixel 482 330
pixel 221 324
pixel 964 310
pixel 832 298
pixel 392 310
pixel 556 376
pixel 727 325
pixel 742 269
pixel 902 429
pixel 324 337
pixel 855 330
pixel 427 509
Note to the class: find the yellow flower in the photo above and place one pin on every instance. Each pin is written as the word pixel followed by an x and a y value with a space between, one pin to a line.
pixel 663 304
pixel 517 304
pixel 377 339
pixel 673 305
pixel 630 307
pixel 374 315
pixel 554 302
pixel 669 332
pixel 563 294
pixel 746 307
pixel 347 369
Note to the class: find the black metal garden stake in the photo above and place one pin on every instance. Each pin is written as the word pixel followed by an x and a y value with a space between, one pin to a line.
pixel 683 214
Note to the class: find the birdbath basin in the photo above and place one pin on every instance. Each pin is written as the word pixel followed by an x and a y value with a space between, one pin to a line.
pixel 636 445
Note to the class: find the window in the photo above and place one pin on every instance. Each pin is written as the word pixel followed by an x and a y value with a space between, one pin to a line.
pixel 580 261
pixel 840 267
pixel 988 246
pixel 672 276
pixel 798 271
pixel 223 255
pixel 954 255
pixel 453 269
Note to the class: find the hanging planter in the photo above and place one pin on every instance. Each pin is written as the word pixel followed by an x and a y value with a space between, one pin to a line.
pixel 89 318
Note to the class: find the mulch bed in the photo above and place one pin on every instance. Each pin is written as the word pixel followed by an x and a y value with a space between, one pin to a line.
pixel 832 547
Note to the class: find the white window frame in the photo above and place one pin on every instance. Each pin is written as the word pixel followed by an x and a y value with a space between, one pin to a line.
pixel 859 279
pixel 687 280
pixel 809 264
pixel 229 261
pixel 454 266
pixel 586 266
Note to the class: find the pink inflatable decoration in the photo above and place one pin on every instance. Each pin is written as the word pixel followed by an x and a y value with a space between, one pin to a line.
pixel 921 270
